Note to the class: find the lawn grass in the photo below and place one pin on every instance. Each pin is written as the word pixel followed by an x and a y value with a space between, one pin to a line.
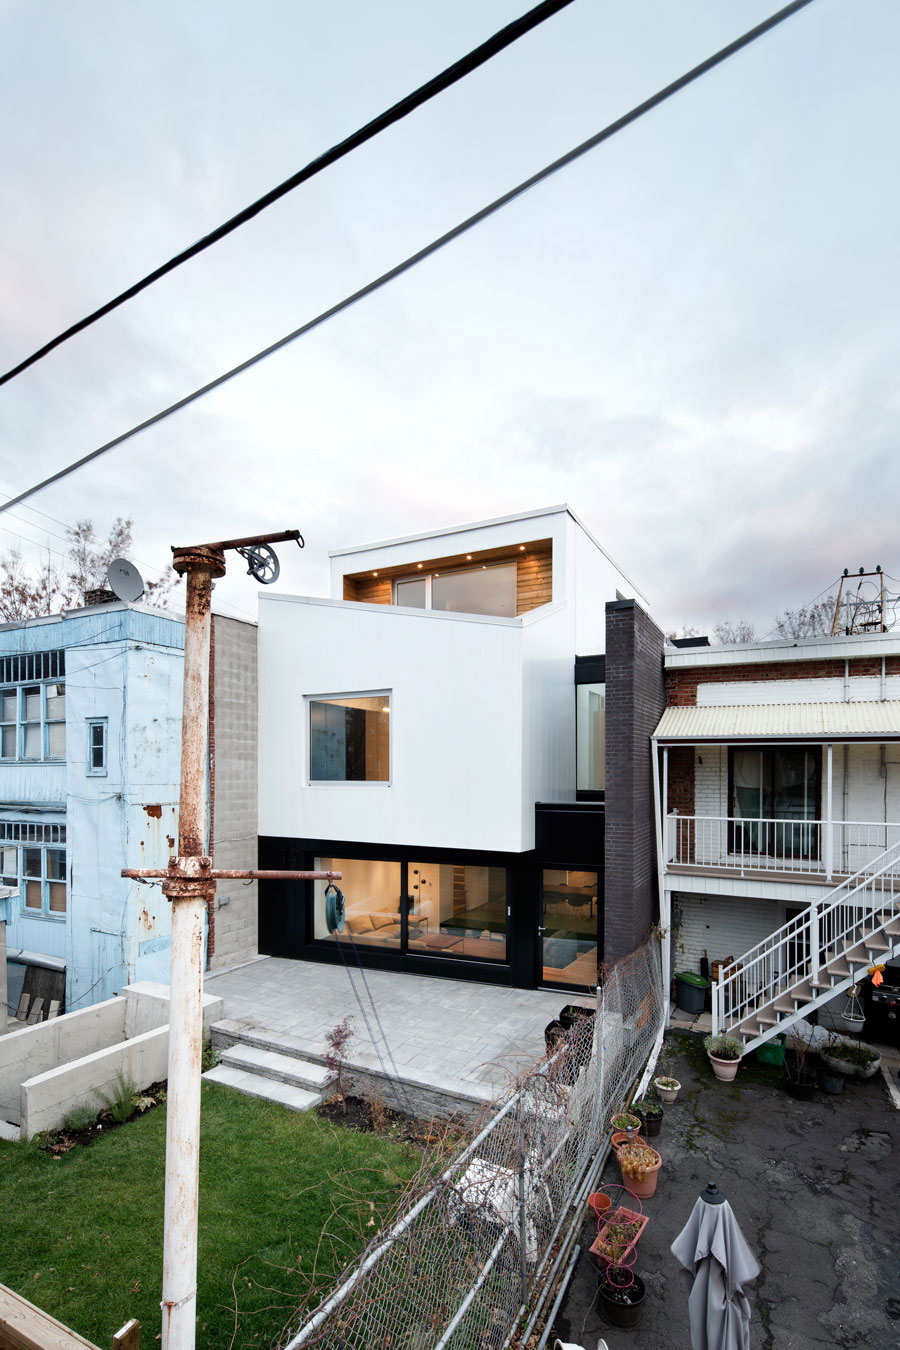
pixel 286 1200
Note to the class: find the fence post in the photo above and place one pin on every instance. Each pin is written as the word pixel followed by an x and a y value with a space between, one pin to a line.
pixel 523 1232
pixel 128 1337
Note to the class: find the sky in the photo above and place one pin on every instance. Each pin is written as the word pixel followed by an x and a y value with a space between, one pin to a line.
pixel 690 336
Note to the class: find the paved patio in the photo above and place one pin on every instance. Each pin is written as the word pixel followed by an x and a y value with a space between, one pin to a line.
pixel 460 1037
pixel 814 1188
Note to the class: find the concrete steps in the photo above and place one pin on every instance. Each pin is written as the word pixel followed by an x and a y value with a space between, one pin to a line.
pixel 9 1132
pixel 270 1089
pixel 271 1067
pixel 274 1064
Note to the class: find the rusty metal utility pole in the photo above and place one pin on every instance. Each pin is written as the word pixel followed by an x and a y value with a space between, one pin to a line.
pixel 189 883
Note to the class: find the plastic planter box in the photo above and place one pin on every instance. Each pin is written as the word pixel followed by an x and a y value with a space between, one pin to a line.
pixel 691 991
pixel 771 1052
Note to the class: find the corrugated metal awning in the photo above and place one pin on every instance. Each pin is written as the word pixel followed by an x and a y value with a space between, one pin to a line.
pixel 878 720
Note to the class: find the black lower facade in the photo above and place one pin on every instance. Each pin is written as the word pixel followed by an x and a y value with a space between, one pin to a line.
pixel 522 919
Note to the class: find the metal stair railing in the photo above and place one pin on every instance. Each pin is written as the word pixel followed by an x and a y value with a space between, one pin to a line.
pixel 792 956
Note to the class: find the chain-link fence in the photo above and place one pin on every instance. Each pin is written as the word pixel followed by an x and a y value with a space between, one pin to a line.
pixel 469 1263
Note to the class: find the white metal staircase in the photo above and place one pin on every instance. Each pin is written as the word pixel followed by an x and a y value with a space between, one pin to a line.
pixel 814 956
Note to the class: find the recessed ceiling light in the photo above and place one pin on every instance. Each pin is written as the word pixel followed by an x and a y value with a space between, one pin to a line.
pixel 374 574
pixel 418 565
pixel 468 557
pixel 521 548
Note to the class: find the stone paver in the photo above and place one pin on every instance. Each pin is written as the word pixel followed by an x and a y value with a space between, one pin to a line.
pixel 476 1036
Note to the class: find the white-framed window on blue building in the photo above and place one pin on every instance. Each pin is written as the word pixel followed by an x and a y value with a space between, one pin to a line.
pixel 96 747
pixel 33 858
pixel 33 706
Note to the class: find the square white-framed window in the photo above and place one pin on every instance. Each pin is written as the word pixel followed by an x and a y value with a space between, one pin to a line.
pixel 97 733
pixel 349 737
pixel 33 721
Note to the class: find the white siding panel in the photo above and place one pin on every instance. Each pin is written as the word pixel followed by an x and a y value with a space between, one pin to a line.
pixel 456 723
pixel 548 714
pixel 739 693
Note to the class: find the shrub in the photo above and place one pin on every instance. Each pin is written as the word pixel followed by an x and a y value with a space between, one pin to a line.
pixel 723 1047
pixel 121 1104
pixel 79 1118
pixel 651 1107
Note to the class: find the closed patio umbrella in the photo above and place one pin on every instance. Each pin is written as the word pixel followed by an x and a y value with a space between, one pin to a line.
pixel 718 1262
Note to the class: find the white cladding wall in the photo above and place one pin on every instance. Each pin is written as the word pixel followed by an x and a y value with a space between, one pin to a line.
pixel 872 787
pixel 456 689
pixel 548 732
pixel 594 579
pixel 719 925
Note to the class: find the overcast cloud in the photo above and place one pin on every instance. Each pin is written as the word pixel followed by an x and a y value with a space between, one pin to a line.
pixel 691 335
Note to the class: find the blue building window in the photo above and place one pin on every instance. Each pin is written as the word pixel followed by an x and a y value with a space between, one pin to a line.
pixel 33 858
pixel 96 747
pixel 32 710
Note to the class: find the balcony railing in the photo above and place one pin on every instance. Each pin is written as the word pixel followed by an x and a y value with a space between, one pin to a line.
pixel 814 847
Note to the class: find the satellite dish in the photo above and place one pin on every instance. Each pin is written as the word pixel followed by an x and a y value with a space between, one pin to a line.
pixel 125 579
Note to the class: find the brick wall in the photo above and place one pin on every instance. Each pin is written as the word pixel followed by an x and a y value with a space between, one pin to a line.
pixel 635 698
pixel 235 818
pixel 719 925
pixel 681 683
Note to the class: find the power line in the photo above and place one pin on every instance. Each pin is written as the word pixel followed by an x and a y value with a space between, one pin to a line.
pixel 457 71
pixel 414 259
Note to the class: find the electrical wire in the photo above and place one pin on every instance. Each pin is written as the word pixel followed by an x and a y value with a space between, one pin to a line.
pixel 414 259
pixel 453 73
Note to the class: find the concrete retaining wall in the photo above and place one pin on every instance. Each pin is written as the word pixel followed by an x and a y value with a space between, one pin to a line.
pixel 35 1050
pixel 76 1060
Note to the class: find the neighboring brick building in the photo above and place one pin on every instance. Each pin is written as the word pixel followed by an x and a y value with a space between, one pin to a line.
pixel 780 771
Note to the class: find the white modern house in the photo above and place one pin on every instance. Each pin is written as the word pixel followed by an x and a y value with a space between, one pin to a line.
pixel 90 737
pixel 778 820
pixel 435 730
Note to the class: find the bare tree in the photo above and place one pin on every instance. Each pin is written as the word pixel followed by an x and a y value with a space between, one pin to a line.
pixel 734 632
pixel 808 621
pixel 28 592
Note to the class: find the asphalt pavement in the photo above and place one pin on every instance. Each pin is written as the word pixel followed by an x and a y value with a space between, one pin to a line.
pixel 815 1187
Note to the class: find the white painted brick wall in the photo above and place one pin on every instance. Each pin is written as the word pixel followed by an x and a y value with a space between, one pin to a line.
pixel 871 794
pixel 720 925
pixel 739 693
pixel 711 781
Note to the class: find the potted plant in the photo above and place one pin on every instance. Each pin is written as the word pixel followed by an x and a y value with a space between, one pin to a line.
pixel 639 1165
pixel 724 1054
pixel 668 1089
pixel 623 1127
pixel 853 1059
pixel 618 1236
pixel 650 1113
pixel 620 1295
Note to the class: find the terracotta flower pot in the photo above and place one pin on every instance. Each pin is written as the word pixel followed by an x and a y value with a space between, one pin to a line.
pixel 620 1137
pixel 724 1069
pixel 645 1186
pixel 600 1203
